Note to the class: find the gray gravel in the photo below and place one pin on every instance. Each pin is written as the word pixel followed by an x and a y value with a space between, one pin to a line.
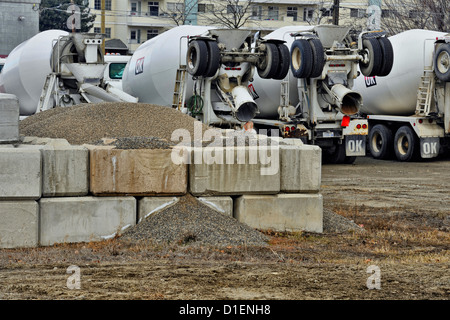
pixel 335 223
pixel 124 143
pixel 191 222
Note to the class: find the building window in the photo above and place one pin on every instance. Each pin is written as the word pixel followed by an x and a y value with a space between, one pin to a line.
pixel 136 8
pixel 98 4
pixel 153 8
pixel 135 36
pixel 357 13
pixel 151 33
pixel 205 8
pixel 233 9
pixel 292 12
pixel 256 12
pixel 273 13
pixel 107 31
pixel 308 14
pixel 175 7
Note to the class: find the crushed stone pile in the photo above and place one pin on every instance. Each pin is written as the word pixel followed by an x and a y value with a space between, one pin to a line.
pixel 125 143
pixel 191 222
pixel 88 123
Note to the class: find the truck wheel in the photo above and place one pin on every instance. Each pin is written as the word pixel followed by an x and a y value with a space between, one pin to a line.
pixel 380 142
pixel 406 144
pixel 442 62
pixel 375 56
pixel 268 66
pixel 318 58
pixel 388 56
pixel 285 61
pixel 301 58
pixel 213 59
pixel 197 58
pixel 334 155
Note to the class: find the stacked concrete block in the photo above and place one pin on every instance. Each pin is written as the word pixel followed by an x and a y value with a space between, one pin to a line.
pixel 142 172
pixel 19 224
pixel 282 212
pixel 84 219
pixel 221 204
pixel 9 118
pixel 234 171
pixel 151 205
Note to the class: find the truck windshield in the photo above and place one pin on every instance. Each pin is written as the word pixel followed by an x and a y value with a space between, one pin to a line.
pixel 116 70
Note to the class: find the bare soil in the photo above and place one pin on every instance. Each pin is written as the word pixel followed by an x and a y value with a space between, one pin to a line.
pixel 402 207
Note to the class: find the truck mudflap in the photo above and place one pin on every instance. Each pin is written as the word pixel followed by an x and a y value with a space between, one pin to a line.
pixel 355 145
pixel 430 147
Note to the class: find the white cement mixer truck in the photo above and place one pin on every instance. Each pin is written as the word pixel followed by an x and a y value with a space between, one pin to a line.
pixel 228 78
pixel 57 68
pixel 409 110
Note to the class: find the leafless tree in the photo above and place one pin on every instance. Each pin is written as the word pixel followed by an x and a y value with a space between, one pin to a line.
pixel 231 14
pixel 416 14
pixel 179 11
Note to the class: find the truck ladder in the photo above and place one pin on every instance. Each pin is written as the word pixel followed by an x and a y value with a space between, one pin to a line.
pixel 425 92
pixel 179 91
pixel 47 91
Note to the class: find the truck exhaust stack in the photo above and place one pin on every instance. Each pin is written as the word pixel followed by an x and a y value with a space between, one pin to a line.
pixel 348 101
pixel 246 108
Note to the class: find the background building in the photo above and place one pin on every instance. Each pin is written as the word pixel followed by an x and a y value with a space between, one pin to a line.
pixel 19 21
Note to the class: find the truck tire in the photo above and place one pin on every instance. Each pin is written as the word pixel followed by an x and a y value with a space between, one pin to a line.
pixel 381 142
pixel 375 56
pixel 388 56
pixel 406 144
pixel 285 61
pixel 268 67
pixel 197 58
pixel 442 62
pixel 301 59
pixel 213 59
pixel 318 58
pixel 334 155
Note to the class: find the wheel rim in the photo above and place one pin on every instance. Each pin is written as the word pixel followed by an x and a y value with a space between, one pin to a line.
pixel 443 62
pixel 377 142
pixel 403 145
pixel 296 59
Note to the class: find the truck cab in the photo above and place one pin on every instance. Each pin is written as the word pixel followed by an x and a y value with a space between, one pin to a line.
pixel 115 67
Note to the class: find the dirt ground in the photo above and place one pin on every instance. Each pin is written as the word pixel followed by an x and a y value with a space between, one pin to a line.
pixel 403 207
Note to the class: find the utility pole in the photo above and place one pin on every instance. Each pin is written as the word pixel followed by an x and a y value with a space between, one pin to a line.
pixel 103 29
pixel 336 5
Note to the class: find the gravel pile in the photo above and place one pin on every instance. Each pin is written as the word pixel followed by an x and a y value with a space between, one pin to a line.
pixel 88 123
pixel 191 222
pixel 335 223
pixel 125 143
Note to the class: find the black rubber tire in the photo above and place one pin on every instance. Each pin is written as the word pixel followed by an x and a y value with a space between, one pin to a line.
pixel 406 144
pixel 318 58
pixel 373 67
pixel 197 58
pixel 268 67
pixel 388 56
pixel 442 62
pixel 285 61
pixel 301 59
pixel 334 155
pixel 213 59
pixel 381 142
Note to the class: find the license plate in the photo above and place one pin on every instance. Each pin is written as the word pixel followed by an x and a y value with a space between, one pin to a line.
pixel 355 146
pixel 429 147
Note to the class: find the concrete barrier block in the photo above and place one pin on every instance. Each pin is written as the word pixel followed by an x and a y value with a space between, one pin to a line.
pixel 84 219
pixel 234 171
pixel 301 168
pixel 282 212
pixel 19 224
pixel 45 141
pixel 140 172
pixel 9 118
pixel 151 205
pixel 21 173
pixel 65 171
pixel 222 204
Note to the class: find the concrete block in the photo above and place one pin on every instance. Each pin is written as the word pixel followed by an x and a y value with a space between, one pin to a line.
pixel 234 171
pixel 282 212
pixel 140 172
pixel 222 204
pixel 301 168
pixel 21 173
pixel 84 219
pixel 65 170
pixel 19 224
pixel 151 205
pixel 9 118
pixel 45 141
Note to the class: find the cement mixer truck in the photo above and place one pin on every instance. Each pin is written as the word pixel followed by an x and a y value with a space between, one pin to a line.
pixel 230 78
pixel 409 110
pixel 57 68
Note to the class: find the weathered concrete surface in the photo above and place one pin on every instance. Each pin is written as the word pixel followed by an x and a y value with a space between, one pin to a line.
pixel 142 172
pixel 234 171
pixel 20 173
pixel 301 168
pixel 282 212
pixel 45 141
pixel 84 219
pixel 19 224
pixel 65 171
pixel 9 118
pixel 222 204
pixel 151 205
